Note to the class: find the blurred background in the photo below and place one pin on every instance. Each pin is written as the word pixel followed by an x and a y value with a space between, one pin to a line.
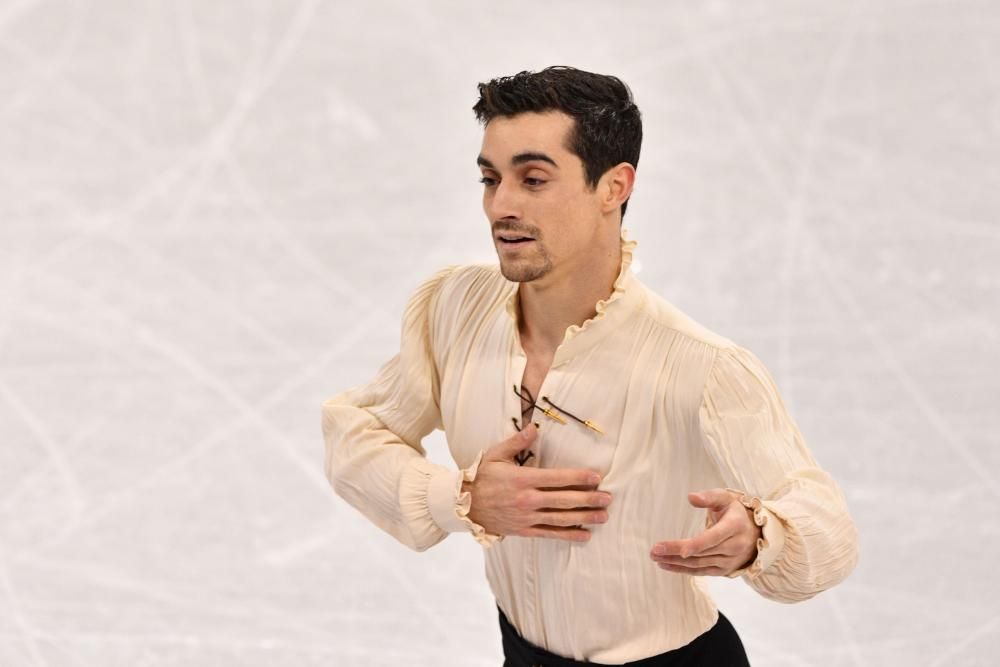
pixel 213 212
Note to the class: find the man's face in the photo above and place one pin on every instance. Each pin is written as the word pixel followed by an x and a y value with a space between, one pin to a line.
pixel 534 188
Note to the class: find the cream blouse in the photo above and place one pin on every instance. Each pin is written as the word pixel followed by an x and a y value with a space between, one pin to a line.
pixel 682 409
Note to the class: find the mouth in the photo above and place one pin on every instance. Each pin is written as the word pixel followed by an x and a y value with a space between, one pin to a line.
pixel 511 240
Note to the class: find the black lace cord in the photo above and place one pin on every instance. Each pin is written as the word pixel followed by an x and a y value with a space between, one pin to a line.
pixel 518 426
pixel 522 457
pixel 531 404
pixel 565 412
pixel 586 422
pixel 531 400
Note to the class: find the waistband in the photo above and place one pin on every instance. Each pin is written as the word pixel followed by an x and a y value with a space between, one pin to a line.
pixel 720 645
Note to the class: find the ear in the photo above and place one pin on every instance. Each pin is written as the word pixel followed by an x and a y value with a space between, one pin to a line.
pixel 616 186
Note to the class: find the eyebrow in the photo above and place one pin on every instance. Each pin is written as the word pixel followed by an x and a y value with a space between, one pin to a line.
pixel 520 158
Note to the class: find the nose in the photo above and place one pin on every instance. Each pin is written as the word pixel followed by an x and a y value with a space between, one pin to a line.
pixel 502 202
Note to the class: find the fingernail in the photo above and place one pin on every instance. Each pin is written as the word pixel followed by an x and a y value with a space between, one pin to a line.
pixel 595 479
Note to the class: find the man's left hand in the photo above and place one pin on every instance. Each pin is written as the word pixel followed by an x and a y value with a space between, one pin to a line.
pixel 728 544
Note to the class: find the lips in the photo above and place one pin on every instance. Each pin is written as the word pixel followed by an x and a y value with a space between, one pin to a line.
pixel 514 238
pixel 515 244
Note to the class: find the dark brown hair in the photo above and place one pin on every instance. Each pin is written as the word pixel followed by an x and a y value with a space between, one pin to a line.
pixel 607 126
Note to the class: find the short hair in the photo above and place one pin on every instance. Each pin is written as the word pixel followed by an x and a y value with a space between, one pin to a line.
pixel 607 128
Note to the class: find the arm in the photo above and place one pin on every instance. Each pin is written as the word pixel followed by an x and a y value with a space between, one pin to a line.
pixel 373 433
pixel 809 541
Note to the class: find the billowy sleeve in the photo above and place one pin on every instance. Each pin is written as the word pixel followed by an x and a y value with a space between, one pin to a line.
pixel 809 541
pixel 374 456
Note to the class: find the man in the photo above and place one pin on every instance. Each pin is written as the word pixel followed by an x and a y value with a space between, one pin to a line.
pixel 611 450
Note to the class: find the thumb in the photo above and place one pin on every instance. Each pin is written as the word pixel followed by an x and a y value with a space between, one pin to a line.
pixel 716 499
pixel 521 440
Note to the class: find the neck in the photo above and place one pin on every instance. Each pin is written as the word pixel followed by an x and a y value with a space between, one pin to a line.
pixel 548 307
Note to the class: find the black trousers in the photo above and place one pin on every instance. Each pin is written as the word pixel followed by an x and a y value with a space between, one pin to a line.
pixel 720 646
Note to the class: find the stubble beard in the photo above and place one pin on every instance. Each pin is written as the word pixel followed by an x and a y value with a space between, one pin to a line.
pixel 530 263
pixel 527 269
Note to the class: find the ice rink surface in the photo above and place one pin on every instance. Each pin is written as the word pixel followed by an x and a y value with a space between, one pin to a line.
pixel 212 213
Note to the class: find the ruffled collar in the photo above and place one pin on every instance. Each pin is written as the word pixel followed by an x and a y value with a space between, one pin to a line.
pixel 609 312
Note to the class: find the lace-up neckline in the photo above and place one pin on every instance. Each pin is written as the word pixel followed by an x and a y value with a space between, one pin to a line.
pixel 610 312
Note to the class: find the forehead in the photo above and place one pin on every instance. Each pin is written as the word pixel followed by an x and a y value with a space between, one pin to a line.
pixel 530 131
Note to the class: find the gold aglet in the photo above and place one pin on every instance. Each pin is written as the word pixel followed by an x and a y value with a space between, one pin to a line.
pixel 592 426
pixel 553 415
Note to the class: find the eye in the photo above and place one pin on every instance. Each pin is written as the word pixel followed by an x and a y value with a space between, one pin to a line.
pixel 536 181
pixel 487 181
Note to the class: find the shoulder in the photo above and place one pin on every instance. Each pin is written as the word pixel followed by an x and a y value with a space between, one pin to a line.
pixel 731 373
pixel 459 294
pixel 466 283
pixel 706 361
pixel 669 319
pixel 450 287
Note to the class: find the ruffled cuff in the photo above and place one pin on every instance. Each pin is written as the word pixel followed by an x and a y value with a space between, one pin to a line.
pixel 449 506
pixel 772 538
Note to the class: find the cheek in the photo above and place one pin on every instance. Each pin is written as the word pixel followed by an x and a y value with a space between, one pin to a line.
pixel 557 205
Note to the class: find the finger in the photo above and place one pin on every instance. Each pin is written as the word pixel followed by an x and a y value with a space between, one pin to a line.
pixel 716 499
pixel 697 572
pixel 570 517
pixel 735 545
pixel 505 450
pixel 568 487
pixel 554 478
pixel 717 551
pixel 697 545
pixel 731 546
pixel 571 499
pixel 720 560
pixel 701 544
pixel 569 533
pixel 533 500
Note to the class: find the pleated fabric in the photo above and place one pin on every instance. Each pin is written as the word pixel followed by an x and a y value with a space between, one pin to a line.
pixel 681 408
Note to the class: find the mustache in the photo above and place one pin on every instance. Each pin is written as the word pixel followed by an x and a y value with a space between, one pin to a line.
pixel 530 230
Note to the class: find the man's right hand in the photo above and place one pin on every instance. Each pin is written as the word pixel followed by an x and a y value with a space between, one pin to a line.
pixel 508 499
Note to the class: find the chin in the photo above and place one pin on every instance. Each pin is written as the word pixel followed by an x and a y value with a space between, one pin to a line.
pixel 522 272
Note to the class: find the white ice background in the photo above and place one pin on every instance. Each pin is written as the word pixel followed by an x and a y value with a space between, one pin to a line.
pixel 213 211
